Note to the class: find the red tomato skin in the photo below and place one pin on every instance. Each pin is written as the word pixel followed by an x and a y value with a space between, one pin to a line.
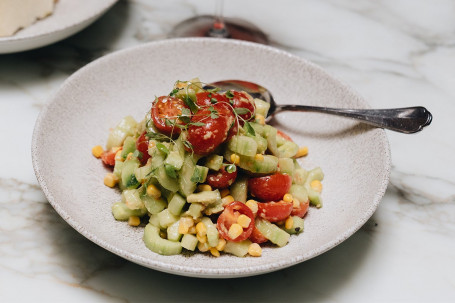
pixel 142 145
pixel 270 188
pixel 257 237
pixel 301 210
pixel 205 139
pixel 280 133
pixel 166 107
pixel 204 98
pixel 221 179
pixel 244 100
pixel 274 211
pixel 227 218
pixel 108 157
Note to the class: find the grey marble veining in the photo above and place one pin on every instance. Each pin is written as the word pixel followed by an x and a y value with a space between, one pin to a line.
pixel 395 53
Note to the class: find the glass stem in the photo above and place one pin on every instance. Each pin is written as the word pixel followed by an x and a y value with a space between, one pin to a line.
pixel 218 29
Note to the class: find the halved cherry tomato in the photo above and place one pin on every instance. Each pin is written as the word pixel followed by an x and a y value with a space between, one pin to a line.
pixel 142 145
pixel 208 98
pixel 108 157
pixel 274 211
pixel 166 107
pixel 270 188
pixel 257 237
pixel 280 133
pixel 301 210
pixel 229 216
pixel 217 120
pixel 243 100
pixel 221 179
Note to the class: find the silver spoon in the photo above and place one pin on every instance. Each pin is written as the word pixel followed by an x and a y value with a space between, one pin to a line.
pixel 405 120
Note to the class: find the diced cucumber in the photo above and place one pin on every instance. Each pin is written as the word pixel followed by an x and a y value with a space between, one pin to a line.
pixel 286 166
pixel 280 140
pixel 166 181
pixel 243 145
pixel 173 232
pixel 189 242
pixel 195 210
pixel 118 168
pixel 262 107
pixel 239 190
pixel 121 212
pixel 297 226
pixel 258 128
pixel 272 232
pixel 299 192
pixel 125 128
pixel 155 243
pixel 268 165
pixel 155 220
pixel 204 197
pixel 187 187
pixel 143 173
pixel 214 162
pixel 203 171
pixel 129 146
pixel 128 178
pixel 239 249
pixel 212 232
pixel 174 159
pixel 288 149
pixel 176 204
pixel 261 142
pixel 314 196
pixel 214 208
pixel 178 146
pixel 157 159
pixel 166 218
pixel 132 199
pixel 270 134
pixel 154 206
pixel 299 176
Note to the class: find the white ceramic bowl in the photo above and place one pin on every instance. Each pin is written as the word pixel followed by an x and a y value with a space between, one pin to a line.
pixel 354 157
pixel 68 18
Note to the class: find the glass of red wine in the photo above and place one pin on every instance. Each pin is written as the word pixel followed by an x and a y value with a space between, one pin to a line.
pixel 217 26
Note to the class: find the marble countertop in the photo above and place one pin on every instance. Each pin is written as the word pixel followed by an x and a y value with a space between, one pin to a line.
pixel 395 53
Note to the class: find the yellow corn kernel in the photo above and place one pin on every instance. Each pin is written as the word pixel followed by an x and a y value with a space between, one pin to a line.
pixel 225 192
pixel 118 156
pixel 153 191
pixel 204 187
pixel 134 221
pixel 235 159
pixel 214 252
pixel 253 205
pixel 260 119
pixel 295 203
pixel 235 230
pixel 254 250
pixel 110 180
pixel 287 198
pixel 259 157
pixel 129 156
pixel 201 230
pixel 203 247
pixel 97 151
pixel 201 239
pixel 221 244
pixel 289 223
pixel 184 225
pixel 316 185
pixel 192 230
pixel 302 152
pixel 227 200
pixel 244 221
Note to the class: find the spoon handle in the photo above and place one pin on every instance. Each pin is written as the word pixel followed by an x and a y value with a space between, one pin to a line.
pixel 405 120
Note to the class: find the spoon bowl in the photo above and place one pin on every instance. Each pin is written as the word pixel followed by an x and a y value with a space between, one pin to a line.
pixel 406 120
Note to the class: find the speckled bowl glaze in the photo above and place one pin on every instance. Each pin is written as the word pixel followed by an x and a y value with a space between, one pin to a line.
pixel 354 157
pixel 68 18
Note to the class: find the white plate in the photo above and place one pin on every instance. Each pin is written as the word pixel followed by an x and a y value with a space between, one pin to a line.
pixel 68 18
pixel 354 157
